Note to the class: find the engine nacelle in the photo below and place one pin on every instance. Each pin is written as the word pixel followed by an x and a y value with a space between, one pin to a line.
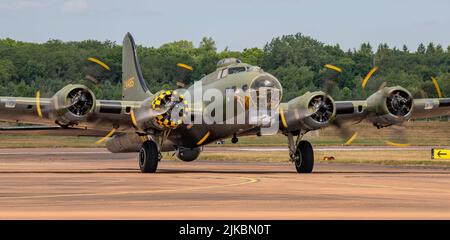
pixel 129 142
pixel 310 111
pixel 390 105
pixel 188 154
pixel 72 104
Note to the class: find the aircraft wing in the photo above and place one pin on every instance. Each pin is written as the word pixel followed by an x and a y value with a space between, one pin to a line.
pixel 356 111
pixel 388 106
pixel 24 110
pixel 431 107
pixel 54 114
pixel 28 127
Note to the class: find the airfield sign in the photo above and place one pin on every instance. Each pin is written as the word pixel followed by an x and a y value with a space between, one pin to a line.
pixel 440 153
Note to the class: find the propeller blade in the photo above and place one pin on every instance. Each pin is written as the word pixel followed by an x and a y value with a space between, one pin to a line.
pixel 329 80
pixel 38 104
pixel 96 70
pixel 351 139
pixel 398 136
pixel 436 85
pixel 107 136
pixel 346 133
pixel 99 62
pixel 182 72
pixel 368 76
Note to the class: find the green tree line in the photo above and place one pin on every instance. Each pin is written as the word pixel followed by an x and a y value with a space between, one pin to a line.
pixel 296 60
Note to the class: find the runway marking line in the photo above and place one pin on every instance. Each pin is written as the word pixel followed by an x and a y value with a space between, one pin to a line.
pixel 248 180
pixel 376 186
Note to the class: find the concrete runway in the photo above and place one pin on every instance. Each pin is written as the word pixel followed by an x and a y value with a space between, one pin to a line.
pixel 94 184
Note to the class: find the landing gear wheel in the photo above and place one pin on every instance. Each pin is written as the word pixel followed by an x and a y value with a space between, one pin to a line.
pixel 188 154
pixel 304 157
pixel 149 157
pixel 234 139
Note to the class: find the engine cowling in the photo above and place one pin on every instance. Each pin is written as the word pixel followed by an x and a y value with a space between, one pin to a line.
pixel 72 104
pixel 390 105
pixel 311 111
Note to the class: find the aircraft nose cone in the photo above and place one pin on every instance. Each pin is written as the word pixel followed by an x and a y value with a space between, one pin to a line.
pixel 265 81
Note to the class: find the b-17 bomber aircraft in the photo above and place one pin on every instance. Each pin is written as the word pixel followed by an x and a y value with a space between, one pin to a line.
pixel 237 99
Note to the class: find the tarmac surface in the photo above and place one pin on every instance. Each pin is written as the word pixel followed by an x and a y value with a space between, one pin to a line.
pixel 94 184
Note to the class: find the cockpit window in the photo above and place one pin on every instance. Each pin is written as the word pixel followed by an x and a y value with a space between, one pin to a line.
pixel 234 70
pixel 224 73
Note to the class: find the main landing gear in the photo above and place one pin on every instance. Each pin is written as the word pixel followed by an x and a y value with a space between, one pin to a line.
pixel 149 157
pixel 301 153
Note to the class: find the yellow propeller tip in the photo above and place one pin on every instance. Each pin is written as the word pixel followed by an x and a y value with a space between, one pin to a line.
pixel 436 85
pixel 332 67
pixel 95 60
pixel 368 76
pixel 351 139
pixel 38 104
pixel 107 136
pixel 394 144
pixel 185 66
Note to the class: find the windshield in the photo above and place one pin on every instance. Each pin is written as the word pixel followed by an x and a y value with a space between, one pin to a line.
pixel 234 70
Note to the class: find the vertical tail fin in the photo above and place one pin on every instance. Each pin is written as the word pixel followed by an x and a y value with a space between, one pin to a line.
pixel 134 87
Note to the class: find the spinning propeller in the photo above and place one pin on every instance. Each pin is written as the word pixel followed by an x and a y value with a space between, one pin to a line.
pixel 399 104
pixel 168 108
pixel 95 71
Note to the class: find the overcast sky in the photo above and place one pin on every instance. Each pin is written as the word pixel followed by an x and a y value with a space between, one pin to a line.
pixel 237 24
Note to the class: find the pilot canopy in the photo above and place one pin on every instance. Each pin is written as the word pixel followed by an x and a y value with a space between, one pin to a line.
pixel 227 62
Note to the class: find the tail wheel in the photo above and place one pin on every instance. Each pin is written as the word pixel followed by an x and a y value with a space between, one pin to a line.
pixel 304 157
pixel 148 157
pixel 188 155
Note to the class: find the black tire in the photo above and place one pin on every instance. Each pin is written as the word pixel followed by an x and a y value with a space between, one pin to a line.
pixel 304 162
pixel 148 157
pixel 189 155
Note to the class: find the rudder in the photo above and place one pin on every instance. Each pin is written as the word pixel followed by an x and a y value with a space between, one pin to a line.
pixel 134 87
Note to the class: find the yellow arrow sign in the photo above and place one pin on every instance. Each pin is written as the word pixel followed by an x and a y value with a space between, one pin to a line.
pixel 440 153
